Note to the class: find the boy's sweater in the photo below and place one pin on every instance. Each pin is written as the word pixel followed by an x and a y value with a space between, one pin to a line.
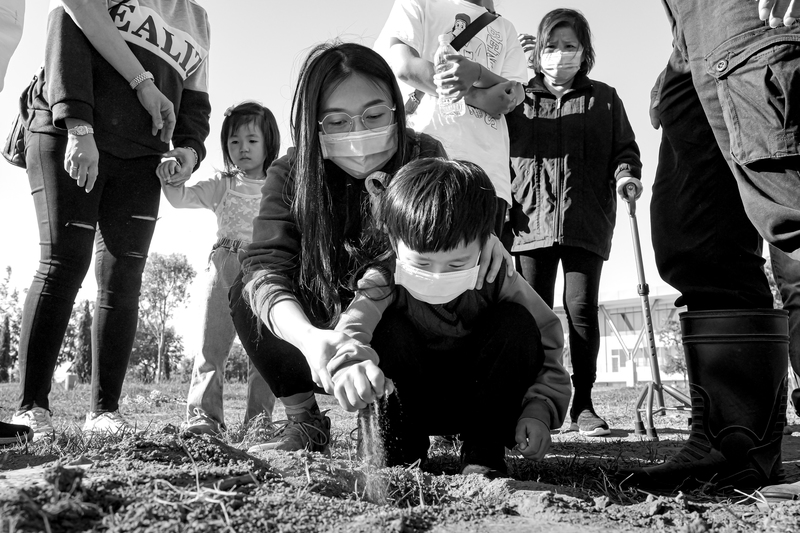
pixel 443 325
pixel 170 38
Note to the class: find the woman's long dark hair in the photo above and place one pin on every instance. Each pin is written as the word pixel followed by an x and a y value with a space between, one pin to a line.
pixel 325 260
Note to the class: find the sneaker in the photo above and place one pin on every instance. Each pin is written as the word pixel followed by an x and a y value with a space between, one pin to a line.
pixel 109 422
pixel 38 419
pixel 309 430
pixel 13 434
pixel 202 424
pixel 589 424
pixel 482 458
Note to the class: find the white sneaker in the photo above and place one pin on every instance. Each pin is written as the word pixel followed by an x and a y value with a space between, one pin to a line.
pixel 38 419
pixel 109 423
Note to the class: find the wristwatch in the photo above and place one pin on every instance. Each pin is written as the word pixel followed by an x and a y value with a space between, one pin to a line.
pixel 81 130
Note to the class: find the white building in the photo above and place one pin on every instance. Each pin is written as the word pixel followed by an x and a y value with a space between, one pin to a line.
pixel 624 358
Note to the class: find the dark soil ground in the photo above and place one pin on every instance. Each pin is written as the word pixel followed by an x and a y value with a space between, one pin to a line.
pixel 163 481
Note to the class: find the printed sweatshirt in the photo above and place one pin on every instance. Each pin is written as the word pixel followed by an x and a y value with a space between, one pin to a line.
pixel 442 325
pixel 170 38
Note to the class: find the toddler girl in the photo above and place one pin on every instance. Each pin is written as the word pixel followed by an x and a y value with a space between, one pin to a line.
pixel 250 142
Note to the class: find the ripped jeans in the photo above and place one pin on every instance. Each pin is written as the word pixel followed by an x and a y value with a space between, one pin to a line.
pixel 122 208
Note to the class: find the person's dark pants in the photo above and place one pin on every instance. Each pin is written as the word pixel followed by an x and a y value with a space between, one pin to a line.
pixel 474 389
pixel 787 277
pixel 118 217
pixel 582 270
pixel 705 245
pixel 747 76
pixel 282 366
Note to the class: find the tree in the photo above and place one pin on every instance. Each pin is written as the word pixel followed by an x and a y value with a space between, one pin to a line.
pixel 144 357
pixel 5 349
pixel 165 287
pixel 671 338
pixel 10 307
pixel 82 363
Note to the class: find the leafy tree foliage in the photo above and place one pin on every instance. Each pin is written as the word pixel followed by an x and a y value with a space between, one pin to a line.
pixel 83 344
pixel 5 349
pixel 165 288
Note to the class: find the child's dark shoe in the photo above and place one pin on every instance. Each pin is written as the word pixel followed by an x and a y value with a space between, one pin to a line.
pixel 486 459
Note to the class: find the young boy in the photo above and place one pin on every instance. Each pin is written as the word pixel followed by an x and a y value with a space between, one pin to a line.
pixel 485 364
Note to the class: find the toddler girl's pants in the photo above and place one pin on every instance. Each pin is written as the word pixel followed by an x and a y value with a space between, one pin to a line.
pixel 118 218
pixel 208 374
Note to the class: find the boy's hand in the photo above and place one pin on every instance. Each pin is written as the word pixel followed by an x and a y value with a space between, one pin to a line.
pixel 456 82
pixel 358 385
pixel 533 438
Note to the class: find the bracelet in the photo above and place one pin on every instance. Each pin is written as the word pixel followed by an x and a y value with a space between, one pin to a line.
pixel 135 82
pixel 480 74
pixel 196 159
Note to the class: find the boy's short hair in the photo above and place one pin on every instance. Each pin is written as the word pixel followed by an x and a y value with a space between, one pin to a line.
pixel 435 205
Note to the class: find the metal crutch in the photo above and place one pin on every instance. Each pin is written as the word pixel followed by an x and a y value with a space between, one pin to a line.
pixel 655 389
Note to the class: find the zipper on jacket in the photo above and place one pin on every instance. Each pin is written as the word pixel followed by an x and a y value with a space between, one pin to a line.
pixel 559 177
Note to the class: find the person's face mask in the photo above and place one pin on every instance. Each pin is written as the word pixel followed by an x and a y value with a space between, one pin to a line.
pixel 362 152
pixel 435 288
pixel 561 67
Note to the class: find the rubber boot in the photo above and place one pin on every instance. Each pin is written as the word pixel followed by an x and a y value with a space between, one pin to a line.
pixel 737 369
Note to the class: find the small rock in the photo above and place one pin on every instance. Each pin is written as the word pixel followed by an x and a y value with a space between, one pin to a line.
pixel 601 502
pixel 656 508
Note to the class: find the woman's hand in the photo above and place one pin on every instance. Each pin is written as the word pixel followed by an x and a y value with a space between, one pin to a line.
pixel 159 107
pixel 779 12
pixel 178 171
pixel 492 255
pixel 456 82
pixel 629 189
pixel 528 43
pixel 81 159
pixel 319 348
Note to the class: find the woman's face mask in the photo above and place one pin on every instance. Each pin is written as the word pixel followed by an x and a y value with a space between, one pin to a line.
pixel 360 153
pixel 435 288
pixel 561 67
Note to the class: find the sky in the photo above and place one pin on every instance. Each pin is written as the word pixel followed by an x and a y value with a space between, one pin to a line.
pixel 257 47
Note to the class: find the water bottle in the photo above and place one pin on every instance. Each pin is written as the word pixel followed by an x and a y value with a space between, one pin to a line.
pixel 448 107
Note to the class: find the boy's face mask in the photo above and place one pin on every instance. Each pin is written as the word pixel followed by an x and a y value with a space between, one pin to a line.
pixel 359 153
pixel 435 288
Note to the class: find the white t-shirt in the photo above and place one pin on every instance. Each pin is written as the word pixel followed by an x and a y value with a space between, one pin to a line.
pixel 475 136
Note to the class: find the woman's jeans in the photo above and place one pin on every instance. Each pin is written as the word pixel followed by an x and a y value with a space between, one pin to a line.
pixel 118 217
pixel 208 374
pixel 582 270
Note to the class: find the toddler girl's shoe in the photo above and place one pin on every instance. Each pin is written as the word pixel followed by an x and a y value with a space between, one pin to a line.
pixel 38 419
pixel 13 434
pixel 109 422
pixel 202 424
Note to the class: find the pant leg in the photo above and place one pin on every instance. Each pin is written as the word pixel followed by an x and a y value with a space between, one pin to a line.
pixel 67 217
pixel 582 271
pixel 540 268
pixel 127 219
pixel 208 372
pixel 747 76
pixel 260 398
pixel 705 245
pixel 787 277
pixel 282 366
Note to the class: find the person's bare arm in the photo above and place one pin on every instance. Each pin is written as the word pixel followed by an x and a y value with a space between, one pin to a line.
pixel 92 18
pixel 410 68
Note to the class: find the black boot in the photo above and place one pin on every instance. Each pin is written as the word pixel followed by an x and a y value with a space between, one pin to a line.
pixel 737 366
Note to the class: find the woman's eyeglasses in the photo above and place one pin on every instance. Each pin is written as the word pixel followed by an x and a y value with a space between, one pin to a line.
pixel 373 118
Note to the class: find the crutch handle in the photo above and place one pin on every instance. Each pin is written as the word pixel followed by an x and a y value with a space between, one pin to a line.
pixel 630 198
